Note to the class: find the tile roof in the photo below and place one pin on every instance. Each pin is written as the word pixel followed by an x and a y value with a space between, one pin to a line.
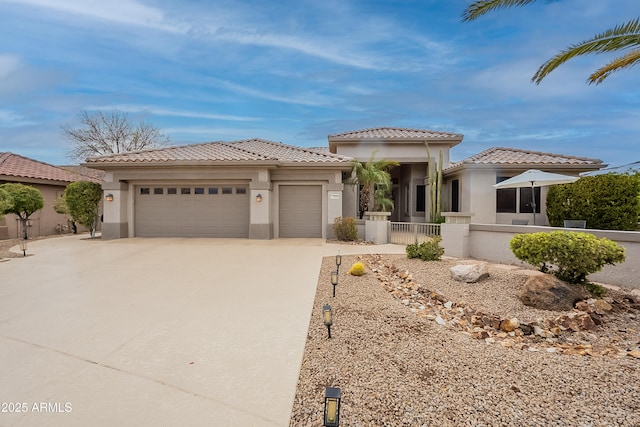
pixel 88 174
pixel 514 156
pixel 250 150
pixel 391 133
pixel 14 165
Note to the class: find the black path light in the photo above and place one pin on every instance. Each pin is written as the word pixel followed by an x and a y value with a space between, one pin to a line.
pixel 23 247
pixel 331 407
pixel 327 317
pixel 334 281
pixel 338 262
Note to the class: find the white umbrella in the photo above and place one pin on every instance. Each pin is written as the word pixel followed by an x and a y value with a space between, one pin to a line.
pixel 535 178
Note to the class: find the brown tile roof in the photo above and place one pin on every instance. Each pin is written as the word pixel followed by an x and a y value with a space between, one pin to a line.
pixel 391 133
pixel 514 156
pixel 85 173
pixel 250 150
pixel 19 167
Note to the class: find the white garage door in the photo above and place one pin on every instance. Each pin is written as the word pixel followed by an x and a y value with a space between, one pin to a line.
pixel 300 211
pixel 192 210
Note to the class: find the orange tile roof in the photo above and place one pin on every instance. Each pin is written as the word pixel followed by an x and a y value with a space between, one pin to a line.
pixel 238 151
pixel 514 156
pixel 391 133
pixel 16 166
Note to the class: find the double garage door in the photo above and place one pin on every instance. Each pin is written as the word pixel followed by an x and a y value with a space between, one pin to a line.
pixel 192 210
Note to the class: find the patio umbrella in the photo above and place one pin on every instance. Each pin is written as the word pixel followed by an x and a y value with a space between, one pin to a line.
pixel 535 178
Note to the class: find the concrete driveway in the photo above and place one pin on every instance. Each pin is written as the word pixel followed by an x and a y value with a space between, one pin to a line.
pixel 171 332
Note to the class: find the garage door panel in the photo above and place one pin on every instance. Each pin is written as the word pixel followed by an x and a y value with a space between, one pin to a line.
pixel 192 213
pixel 300 211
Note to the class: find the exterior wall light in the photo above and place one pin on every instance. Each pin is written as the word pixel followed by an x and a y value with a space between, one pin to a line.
pixel 109 197
pixel 327 317
pixel 23 247
pixel 259 198
pixel 334 281
pixel 338 262
pixel 331 407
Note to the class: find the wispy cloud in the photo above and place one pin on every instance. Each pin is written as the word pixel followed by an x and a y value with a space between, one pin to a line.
pixel 129 108
pixel 129 12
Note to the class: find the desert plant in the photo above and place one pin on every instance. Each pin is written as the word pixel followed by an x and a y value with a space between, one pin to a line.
pixel 345 229
pixel 357 269
pixel 429 250
pixel 435 188
pixel 570 256
pixel 372 174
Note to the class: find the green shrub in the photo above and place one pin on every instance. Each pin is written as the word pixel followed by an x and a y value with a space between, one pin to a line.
pixel 570 256
pixel 429 250
pixel 345 229
pixel 606 202
pixel 357 269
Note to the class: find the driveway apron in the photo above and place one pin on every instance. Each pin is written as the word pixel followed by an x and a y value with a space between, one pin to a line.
pixel 170 332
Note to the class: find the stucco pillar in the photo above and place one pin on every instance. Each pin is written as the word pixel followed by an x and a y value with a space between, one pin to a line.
pixel 455 234
pixel 115 207
pixel 260 201
pixel 334 206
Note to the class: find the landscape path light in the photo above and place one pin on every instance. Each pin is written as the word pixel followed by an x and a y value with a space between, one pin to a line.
pixel 331 407
pixel 334 281
pixel 23 247
pixel 338 262
pixel 327 317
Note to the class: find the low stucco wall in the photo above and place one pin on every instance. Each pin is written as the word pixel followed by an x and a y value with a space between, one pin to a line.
pixel 490 242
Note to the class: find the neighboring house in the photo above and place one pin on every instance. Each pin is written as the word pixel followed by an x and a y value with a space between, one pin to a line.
pixel 51 181
pixel 470 183
pixel 409 180
pixel 253 188
pixel 630 168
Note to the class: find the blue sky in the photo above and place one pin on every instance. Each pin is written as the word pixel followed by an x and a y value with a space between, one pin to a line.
pixel 297 71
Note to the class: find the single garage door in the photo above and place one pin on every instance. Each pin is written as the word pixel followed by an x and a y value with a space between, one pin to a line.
pixel 300 211
pixel 183 210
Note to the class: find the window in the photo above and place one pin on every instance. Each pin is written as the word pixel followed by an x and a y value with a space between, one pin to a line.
pixel 172 190
pixel 525 200
pixel 158 191
pixel 227 190
pixel 420 197
pixel 198 190
pixel 185 190
pixel 505 198
pixel 144 190
pixel 213 190
pixel 455 195
pixel 241 190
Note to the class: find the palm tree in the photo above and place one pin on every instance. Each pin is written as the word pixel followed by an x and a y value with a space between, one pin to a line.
pixel 624 38
pixel 371 175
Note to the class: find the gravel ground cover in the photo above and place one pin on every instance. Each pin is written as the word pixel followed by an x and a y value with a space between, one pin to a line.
pixel 398 367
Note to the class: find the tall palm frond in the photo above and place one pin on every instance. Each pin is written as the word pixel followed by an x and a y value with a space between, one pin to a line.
pixel 479 8
pixel 622 37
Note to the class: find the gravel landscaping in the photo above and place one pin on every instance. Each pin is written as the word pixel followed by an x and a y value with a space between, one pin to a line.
pixel 412 347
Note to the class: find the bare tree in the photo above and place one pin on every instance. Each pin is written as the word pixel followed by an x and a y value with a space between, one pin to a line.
pixel 102 133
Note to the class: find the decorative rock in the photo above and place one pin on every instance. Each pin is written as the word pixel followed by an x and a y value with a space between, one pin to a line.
pixel 509 325
pixel 576 322
pixel 440 320
pixel 545 292
pixel 469 273
pixel 634 353
pixel 448 304
pixel 602 306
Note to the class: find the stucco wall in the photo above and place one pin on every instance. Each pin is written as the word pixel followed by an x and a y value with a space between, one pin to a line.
pixel 490 242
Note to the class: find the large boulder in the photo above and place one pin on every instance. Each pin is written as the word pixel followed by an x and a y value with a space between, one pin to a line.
pixel 469 273
pixel 546 292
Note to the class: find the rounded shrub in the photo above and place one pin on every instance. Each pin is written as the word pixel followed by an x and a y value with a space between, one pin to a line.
pixel 429 250
pixel 570 256
pixel 357 269
pixel 345 229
